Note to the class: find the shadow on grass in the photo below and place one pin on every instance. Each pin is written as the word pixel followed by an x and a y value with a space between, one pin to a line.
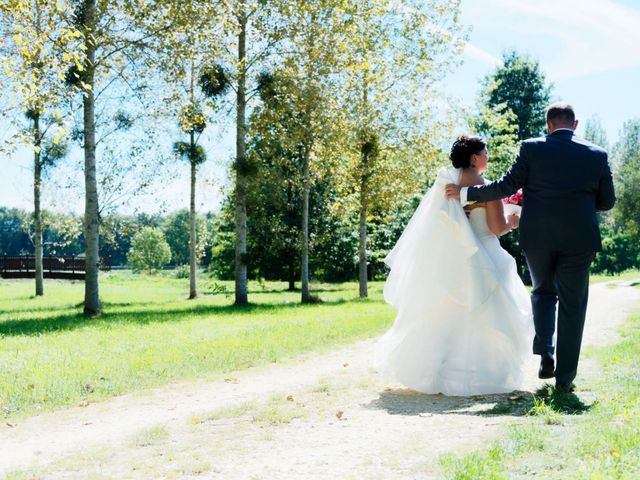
pixel 515 404
pixel 297 290
pixel 72 321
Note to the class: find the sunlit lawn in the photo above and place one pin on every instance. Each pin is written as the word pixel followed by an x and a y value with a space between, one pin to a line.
pixel 150 334
pixel 628 275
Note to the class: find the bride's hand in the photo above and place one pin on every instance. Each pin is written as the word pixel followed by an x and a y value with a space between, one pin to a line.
pixel 513 221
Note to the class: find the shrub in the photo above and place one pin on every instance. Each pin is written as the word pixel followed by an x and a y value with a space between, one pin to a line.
pixel 149 250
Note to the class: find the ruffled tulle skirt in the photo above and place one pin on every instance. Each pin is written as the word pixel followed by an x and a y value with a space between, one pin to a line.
pixel 464 322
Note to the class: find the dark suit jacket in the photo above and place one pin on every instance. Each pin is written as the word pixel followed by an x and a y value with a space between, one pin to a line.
pixel 565 180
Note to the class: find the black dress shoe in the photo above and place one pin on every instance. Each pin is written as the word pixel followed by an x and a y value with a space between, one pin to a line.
pixel 565 387
pixel 547 366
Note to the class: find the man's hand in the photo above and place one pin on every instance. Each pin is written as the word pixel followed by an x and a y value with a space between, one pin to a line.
pixel 452 191
pixel 513 221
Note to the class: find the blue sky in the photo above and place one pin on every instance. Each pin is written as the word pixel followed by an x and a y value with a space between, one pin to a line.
pixel 589 49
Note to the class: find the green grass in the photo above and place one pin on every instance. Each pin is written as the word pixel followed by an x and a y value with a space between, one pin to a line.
pixel 565 439
pixel 628 275
pixel 150 436
pixel 150 335
pixel 277 411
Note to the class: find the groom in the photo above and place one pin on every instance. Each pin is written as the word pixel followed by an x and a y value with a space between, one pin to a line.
pixel 565 180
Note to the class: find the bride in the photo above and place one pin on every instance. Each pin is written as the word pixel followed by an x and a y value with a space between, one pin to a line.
pixel 464 322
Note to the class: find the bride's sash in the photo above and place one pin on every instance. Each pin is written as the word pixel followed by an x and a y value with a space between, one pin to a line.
pixel 439 254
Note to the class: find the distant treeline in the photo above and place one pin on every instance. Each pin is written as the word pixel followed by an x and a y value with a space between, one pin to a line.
pixel 274 244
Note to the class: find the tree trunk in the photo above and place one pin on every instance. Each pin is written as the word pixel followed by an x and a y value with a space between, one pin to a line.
pixel 192 228
pixel 304 270
pixel 91 211
pixel 364 185
pixel 362 247
pixel 292 273
pixel 241 170
pixel 37 214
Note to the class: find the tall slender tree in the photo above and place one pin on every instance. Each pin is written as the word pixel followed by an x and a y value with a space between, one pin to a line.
pixel 254 29
pixel 187 57
pixel 38 49
pixel 113 42
pixel 301 98
pixel 398 50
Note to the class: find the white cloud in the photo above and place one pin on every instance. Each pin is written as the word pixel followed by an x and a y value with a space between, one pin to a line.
pixel 588 36
pixel 483 56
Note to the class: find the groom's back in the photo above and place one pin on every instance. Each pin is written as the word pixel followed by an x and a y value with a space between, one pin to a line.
pixel 562 193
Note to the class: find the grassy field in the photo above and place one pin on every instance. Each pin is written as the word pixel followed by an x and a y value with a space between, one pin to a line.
pixel 628 275
pixel 592 435
pixel 150 334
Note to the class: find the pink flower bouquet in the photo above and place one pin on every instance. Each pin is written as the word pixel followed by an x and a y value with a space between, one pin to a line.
pixel 513 204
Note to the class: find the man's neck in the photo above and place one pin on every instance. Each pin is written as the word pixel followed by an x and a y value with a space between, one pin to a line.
pixel 560 129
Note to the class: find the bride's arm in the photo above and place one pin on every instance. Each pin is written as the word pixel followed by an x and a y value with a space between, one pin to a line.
pixel 496 221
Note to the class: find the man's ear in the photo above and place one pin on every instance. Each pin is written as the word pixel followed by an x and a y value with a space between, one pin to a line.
pixel 549 127
pixel 575 124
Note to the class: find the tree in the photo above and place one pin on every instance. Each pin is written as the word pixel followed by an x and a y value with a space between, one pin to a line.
pixel 497 125
pixel 255 29
pixel 187 58
pixel 177 232
pixel 149 250
pixel 595 132
pixel 512 105
pixel 626 162
pixel 38 49
pixel 112 40
pixel 520 84
pixel 300 108
pixel 397 50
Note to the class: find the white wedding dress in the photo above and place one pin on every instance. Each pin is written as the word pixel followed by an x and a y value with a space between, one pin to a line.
pixel 464 323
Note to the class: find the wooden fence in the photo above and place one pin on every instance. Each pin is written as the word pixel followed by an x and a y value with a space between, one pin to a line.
pixel 68 268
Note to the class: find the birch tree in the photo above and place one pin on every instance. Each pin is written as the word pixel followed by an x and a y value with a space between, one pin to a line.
pixel 188 57
pixel 302 102
pixel 37 49
pixel 398 50
pixel 113 68
pixel 254 30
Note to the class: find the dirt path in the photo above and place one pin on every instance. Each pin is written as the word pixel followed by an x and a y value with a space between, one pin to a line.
pixel 324 416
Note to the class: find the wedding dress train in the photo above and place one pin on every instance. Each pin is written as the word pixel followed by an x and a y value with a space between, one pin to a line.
pixel 464 323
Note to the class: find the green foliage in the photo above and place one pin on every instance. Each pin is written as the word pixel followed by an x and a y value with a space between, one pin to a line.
pixel 626 161
pixel 149 250
pixel 192 153
pixel 214 81
pixel 595 132
pixel 14 240
pixel 620 251
pixel 520 85
pixel 176 229
pixel 504 113
pixel 181 271
pixel 498 126
pixel 192 120
pixel 274 232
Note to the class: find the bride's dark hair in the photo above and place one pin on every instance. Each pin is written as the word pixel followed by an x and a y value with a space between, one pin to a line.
pixel 463 148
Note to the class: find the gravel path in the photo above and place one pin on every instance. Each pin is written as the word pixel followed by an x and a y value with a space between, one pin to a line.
pixel 324 416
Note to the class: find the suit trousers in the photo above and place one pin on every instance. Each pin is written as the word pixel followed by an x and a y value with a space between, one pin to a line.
pixel 560 278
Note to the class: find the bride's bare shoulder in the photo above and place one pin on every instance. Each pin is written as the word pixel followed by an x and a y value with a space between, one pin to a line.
pixel 470 177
